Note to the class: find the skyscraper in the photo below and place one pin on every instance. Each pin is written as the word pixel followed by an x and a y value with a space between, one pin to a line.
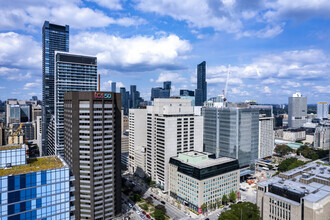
pixel 232 132
pixel 159 92
pixel 124 100
pixel 113 87
pixel 54 38
pixel 322 110
pixel 201 91
pixel 167 85
pixel 297 111
pixel 92 139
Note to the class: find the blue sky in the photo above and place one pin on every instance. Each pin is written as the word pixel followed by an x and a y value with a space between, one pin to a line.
pixel 274 47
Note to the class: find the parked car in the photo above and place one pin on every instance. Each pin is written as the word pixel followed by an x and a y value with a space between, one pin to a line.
pixel 148 216
pixel 143 212
pixel 163 202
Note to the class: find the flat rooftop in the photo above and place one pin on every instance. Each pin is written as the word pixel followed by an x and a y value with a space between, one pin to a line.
pixel 313 191
pixel 34 165
pixel 11 147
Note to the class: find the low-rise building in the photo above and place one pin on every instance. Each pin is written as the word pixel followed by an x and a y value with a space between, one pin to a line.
pixel 301 193
pixel 197 178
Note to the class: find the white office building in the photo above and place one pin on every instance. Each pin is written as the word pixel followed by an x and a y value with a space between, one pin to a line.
pixel 297 111
pixel 322 110
pixel 266 137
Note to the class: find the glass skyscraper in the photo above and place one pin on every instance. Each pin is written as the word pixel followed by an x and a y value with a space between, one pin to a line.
pixel 201 91
pixel 38 188
pixel 54 38
pixel 72 73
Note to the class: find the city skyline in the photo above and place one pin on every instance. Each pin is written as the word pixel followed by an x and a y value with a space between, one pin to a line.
pixel 274 48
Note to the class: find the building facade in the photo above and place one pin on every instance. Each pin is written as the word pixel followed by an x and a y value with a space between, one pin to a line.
pixel 172 128
pixel 297 111
pixel 232 132
pixel 159 92
pixel 54 38
pixel 322 136
pixel 92 125
pixel 322 110
pixel 197 179
pixel 302 193
pixel 266 137
pixel 73 72
pixel 38 188
pixel 201 91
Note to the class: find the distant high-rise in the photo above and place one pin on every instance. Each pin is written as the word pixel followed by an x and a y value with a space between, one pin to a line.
pixel 54 38
pixel 113 87
pixel 201 91
pixel 92 139
pixel 167 85
pixel 186 92
pixel 124 100
pixel 322 110
pixel 297 111
pixel 72 73
pixel 159 92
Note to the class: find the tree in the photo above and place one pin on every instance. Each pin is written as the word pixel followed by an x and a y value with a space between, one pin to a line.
pixel 224 199
pixel 152 183
pixel 232 196
pixel 270 166
pixel 204 208
pixel 159 214
pixel 244 211
pixel 283 150
pixel 136 197
pixel 210 206
pixel 144 206
pixel 218 202
pixel 161 207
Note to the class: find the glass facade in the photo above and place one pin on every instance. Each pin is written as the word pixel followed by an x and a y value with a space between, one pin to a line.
pixel 37 195
pixel 55 38
pixel 201 91
pixel 12 157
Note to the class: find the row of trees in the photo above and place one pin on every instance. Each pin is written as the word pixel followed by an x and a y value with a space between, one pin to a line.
pixel 218 203
pixel 311 153
pixel 242 211
pixel 289 164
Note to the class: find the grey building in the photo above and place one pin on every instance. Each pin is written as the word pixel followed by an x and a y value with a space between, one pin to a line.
pixel 232 132
pixel 297 111
pixel 322 110
pixel 134 97
pixel 186 92
pixel 124 100
pixel 113 87
pixel 92 139
pixel 54 38
pixel 72 73
pixel 201 91
pixel 159 92
pixel 322 136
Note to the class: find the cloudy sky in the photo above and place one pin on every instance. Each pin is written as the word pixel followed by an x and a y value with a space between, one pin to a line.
pixel 274 47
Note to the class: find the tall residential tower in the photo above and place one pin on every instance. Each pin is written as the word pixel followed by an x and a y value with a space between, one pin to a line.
pixel 201 91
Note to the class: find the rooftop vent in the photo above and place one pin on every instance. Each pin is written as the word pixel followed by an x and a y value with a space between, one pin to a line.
pixel 306 175
pixel 8 165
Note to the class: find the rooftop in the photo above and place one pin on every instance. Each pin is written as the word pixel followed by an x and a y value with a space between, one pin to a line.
pixel 34 165
pixel 294 181
pixel 11 147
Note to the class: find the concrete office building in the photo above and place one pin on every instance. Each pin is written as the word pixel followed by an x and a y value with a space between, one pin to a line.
pixel 92 133
pixel 172 128
pixel 322 136
pixel 73 72
pixel 232 132
pixel 297 111
pixel 38 188
pixel 137 137
pixel 39 133
pixel 302 193
pixel 197 179
pixel 322 110
pixel 54 38
pixel 266 136
pixel 201 91
pixel 36 111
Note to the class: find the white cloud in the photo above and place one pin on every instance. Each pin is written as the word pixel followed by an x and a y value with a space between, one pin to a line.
pixel 32 85
pixel 110 4
pixel 138 53
pixel 266 90
pixel 18 50
pixel 323 89
pixel 2 87
pixel 106 86
pixel 270 81
pixel 291 84
pixel 169 76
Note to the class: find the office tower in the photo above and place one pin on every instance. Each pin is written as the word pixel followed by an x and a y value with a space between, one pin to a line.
pixel 322 136
pixel 134 97
pixel 137 137
pixel 2 134
pixel 92 125
pixel 159 92
pixel 113 87
pixel 13 114
pixel 196 178
pixel 34 98
pixel 172 128
pixel 322 110
pixel 36 111
pixel 127 102
pixel 25 113
pixel 201 91
pixel 297 111
pixel 39 134
pixel 167 85
pixel 300 193
pixel 124 100
pixel 266 136
pixel 232 132
pixel 186 92
pixel 28 129
pixel 37 188
pixel 54 38
pixel 72 73
pixel 19 111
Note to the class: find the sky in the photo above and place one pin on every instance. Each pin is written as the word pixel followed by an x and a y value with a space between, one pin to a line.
pixel 271 48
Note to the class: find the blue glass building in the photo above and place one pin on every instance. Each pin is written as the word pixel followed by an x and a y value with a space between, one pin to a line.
pixel 54 38
pixel 38 189
pixel 201 91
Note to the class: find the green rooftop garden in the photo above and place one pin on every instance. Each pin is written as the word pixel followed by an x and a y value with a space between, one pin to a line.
pixel 10 147
pixel 34 165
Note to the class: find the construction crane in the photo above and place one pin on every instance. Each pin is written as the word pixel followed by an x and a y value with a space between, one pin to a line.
pixel 224 92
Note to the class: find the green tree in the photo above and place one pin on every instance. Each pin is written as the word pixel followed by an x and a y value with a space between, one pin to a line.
pixel 159 214
pixel 233 196
pixel 144 206
pixel 270 166
pixel 161 207
pixel 136 197
pixel 244 211
pixel 204 208
pixel 283 150
pixel 284 165
pixel 224 199
pixel 218 202
pixel 152 183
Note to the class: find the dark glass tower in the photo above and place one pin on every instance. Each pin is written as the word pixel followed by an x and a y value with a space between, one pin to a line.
pixel 201 91
pixel 54 38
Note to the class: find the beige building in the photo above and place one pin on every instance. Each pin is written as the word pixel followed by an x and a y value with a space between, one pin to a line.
pixel 299 194
pixel 196 179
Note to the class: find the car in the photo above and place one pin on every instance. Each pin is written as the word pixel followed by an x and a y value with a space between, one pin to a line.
pixel 151 195
pixel 143 212
pixel 163 202
pixel 207 219
pixel 148 216
pixel 137 212
pixel 130 205
pixel 219 214
pixel 134 208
